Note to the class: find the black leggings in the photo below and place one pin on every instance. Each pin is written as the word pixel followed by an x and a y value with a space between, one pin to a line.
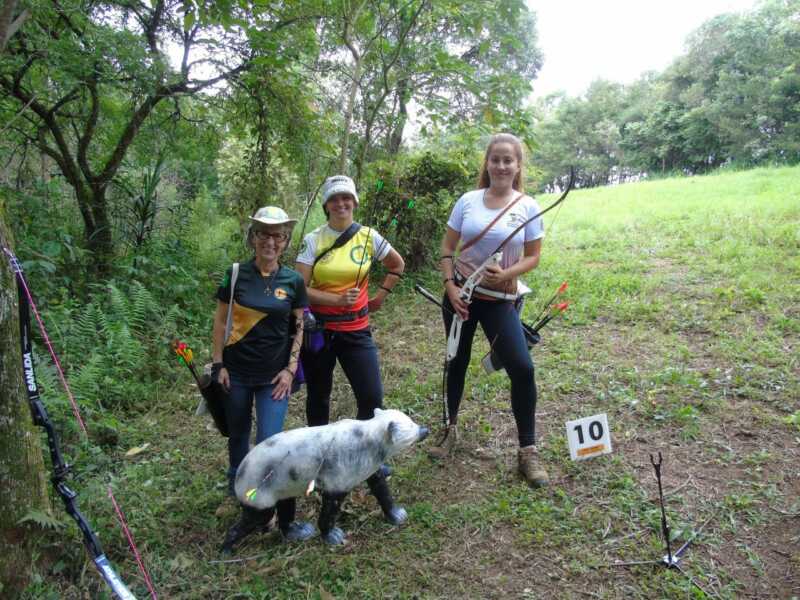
pixel 501 321
pixel 358 356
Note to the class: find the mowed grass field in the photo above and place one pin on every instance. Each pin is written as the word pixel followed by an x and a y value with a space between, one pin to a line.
pixel 683 328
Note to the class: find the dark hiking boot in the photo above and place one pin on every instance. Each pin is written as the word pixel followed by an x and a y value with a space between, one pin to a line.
pixel 251 520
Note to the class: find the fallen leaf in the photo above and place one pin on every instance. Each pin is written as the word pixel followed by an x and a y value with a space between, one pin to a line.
pixel 137 450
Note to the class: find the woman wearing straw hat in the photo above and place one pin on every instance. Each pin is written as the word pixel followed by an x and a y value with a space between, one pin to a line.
pixel 255 356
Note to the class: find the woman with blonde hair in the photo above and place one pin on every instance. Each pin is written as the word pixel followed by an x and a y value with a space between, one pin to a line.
pixel 481 220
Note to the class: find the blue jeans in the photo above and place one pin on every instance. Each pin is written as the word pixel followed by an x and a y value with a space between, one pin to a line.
pixel 270 414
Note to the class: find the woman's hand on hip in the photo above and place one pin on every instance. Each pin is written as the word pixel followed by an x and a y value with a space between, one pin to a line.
pixel 375 303
pixel 283 384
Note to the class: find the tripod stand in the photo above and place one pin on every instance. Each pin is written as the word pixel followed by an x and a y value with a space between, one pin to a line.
pixel 670 560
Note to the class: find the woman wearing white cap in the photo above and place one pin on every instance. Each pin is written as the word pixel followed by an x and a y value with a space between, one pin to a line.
pixel 334 261
pixel 258 358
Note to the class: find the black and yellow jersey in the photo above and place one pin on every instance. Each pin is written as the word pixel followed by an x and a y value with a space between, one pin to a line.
pixel 258 345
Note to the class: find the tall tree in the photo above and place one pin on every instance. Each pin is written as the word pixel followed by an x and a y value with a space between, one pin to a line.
pixel 452 61
pixel 87 75
pixel 23 487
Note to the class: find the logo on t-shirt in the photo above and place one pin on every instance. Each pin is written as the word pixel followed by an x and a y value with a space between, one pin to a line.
pixel 515 220
pixel 280 294
pixel 359 255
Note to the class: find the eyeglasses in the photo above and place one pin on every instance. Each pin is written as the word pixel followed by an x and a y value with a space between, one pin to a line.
pixel 277 236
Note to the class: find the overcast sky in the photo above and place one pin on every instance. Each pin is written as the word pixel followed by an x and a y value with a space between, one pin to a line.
pixel 583 40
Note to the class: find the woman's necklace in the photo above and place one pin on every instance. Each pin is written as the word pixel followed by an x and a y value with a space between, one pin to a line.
pixel 268 280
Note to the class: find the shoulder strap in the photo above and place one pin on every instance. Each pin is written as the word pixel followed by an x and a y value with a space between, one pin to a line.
pixel 228 323
pixel 486 229
pixel 340 241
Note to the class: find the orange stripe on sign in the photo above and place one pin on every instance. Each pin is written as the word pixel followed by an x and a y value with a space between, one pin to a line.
pixel 591 450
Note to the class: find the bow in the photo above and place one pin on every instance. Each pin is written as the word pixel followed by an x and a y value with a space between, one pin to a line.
pixel 61 469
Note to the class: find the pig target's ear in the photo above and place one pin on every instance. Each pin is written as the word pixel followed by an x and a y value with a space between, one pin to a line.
pixel 378 411
pixel 392 431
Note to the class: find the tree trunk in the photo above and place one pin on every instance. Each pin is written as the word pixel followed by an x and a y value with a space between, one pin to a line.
pixel 362 153
pixel 358 56
pixel 99 240
pixel 396 139
pixel 23 486
pixel 348 114
pixel 8 23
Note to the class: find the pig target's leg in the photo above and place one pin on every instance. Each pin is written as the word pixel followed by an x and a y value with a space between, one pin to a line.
pixel 250 520
pixel 293 531
pixel 331 505
pixel 379 487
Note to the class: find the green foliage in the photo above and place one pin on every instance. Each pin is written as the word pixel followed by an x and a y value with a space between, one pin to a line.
pixel 117 345
pixel 732 99
pixel 409 202
pixel 793 419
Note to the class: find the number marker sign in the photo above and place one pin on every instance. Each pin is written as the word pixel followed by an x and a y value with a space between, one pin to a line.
pixel 588 437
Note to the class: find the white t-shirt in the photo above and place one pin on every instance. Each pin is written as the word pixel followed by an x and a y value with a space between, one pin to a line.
pixel 470 216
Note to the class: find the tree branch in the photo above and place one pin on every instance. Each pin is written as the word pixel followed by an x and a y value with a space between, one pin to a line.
pixel 8 24
pixel 144 110
pixel 152 26
pixel 62 14
pixel 65 99
pixel 66 168
pixel 66 162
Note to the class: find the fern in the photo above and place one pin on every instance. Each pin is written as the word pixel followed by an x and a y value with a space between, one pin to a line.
pixel 86 326
pixel 118 345
pixel 85 382
pixel 142 304
pixel 42 519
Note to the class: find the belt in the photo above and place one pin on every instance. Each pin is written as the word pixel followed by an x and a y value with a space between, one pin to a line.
pixel 350 316
pixel 460 279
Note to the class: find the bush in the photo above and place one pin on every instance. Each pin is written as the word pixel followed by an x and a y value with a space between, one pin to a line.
pixel 410 202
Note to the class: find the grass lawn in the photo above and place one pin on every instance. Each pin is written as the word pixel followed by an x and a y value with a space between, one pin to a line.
pixel 683 328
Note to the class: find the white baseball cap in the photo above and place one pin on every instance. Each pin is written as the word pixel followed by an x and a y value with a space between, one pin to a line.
pixel 272 215
pixel 338 184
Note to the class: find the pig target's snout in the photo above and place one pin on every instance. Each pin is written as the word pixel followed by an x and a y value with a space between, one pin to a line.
pixel 423 433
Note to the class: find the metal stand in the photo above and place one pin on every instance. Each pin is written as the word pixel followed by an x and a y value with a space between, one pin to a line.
pixel 670 560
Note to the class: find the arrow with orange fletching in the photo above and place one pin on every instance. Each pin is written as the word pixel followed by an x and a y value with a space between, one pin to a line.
pixel 185 357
